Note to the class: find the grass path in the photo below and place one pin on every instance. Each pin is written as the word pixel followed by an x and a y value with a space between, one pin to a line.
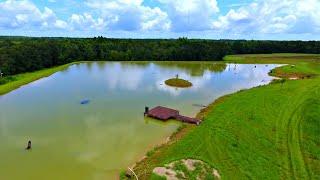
pixel 268 132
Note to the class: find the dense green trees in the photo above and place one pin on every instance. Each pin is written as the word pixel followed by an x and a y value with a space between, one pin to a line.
pixel 19 54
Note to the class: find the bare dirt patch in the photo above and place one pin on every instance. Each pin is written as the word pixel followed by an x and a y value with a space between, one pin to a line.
pixel 168 173
pixel 187 169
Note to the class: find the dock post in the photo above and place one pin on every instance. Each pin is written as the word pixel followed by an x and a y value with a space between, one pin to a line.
pixel 146 110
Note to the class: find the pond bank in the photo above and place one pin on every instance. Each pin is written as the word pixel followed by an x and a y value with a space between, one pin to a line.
pixel 99 134
pixel 19 80
pixel 225 141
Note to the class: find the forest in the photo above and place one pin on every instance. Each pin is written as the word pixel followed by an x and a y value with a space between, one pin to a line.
pixel 26 54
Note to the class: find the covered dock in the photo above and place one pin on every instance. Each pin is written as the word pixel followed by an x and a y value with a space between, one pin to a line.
pixel 164 114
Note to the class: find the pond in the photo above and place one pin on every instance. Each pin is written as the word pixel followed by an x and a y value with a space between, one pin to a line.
pixel 86 122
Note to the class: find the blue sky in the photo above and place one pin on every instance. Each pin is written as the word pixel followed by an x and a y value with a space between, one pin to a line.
pixel 208 19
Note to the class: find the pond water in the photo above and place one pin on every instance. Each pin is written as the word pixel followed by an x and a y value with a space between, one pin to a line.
pixel 86 122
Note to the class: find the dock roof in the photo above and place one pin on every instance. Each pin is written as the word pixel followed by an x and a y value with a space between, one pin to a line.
pixel 163 113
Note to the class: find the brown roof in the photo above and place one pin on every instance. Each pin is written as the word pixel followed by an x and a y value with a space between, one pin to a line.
pixel 163 113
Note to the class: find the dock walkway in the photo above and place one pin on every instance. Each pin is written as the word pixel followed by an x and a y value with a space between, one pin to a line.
pixel 164 114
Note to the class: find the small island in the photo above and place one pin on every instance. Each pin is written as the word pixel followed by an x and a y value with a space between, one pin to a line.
pixel 177 82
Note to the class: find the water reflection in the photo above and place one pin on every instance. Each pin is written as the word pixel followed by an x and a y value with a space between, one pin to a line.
pixel 194 68
pixel 130 75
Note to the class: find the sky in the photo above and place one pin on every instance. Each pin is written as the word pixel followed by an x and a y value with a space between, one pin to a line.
pixel 204 19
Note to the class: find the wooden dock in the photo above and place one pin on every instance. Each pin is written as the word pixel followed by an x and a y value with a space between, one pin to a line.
pixel 164 114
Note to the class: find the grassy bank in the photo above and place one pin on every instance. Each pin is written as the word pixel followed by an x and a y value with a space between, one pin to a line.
pixel 16 81
pixel 268 132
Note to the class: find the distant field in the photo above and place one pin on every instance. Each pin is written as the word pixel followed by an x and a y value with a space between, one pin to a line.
pixel 284 58
pixel 268 132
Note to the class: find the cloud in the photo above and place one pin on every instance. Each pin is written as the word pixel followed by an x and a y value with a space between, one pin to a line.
pixel 170 18
pixel 25 15
pixel 130 15
pixel 190 15
pixel 85 22
pixel 60 24
pixel 272 16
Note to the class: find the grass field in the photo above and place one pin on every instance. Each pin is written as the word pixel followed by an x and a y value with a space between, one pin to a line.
pixel 268 132
pixel 16 81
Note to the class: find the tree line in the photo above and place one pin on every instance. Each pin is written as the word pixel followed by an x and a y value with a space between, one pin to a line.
pixel 23 54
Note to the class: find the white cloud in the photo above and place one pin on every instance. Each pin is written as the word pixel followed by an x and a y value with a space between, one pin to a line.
pixel 60 24
pixel 272 16
pixel 155 19
pixel 174 17
pixel 24 14
pixel 190 15
pixel 85 22
pixel 130 15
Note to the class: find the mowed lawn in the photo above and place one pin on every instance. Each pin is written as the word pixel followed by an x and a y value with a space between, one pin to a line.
pixel 268 132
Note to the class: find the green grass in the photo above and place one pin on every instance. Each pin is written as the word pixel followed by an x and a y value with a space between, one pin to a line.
pixel 176 82
pixel 273 58
pixel 13 82
pixel 268 132
pixel 157 177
